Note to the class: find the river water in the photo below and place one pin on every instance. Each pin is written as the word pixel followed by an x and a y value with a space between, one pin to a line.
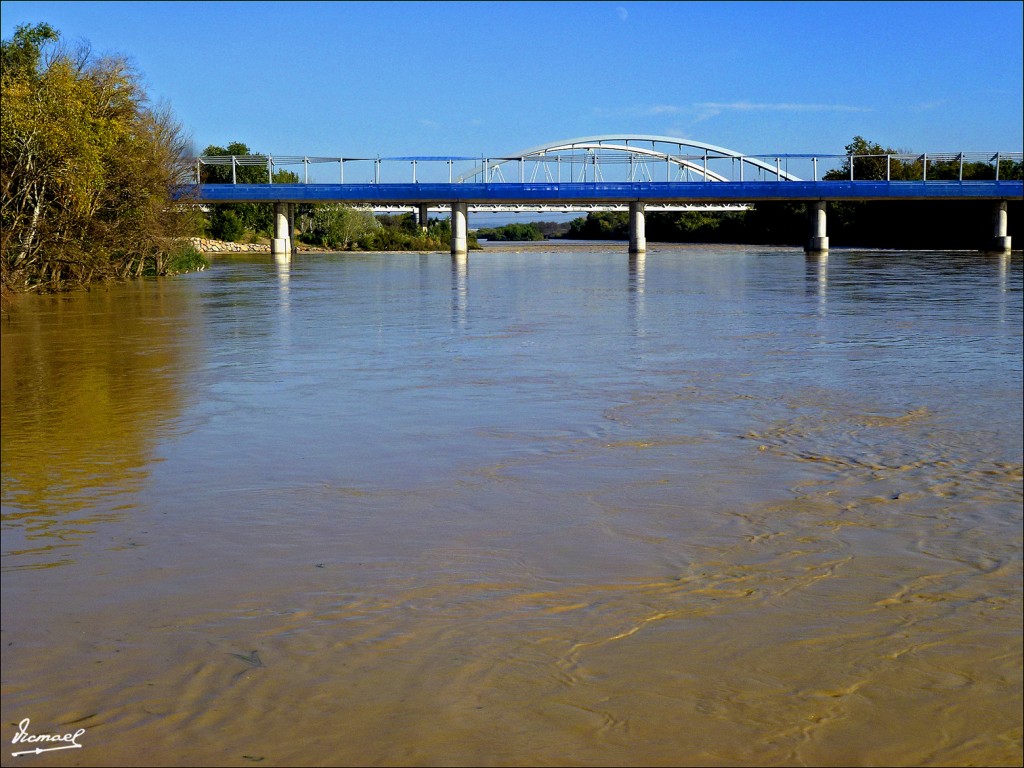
pixel 714 506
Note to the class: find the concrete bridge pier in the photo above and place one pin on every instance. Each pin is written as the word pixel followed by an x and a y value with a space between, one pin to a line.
pixel 281 244
pixel 637 228
pixel 1000 240
pixel 460 213
pixel 817 240
pixel 423 217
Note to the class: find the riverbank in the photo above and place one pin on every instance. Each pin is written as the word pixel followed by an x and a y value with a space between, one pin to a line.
pixel 209 245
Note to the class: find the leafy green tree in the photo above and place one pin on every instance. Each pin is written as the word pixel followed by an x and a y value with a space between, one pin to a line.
pixel 1009 169
pixel 87 168
pixel 515 231
pixel 602 225
pixel 340 226
pixel 228 226
pixel 20 56
pixel 401 222
pixel 393 235
pixel 874 167
pixel 696 227
pixel 242 174
pixel 440 231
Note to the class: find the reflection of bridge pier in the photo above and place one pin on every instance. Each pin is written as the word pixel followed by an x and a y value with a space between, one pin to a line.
pixel 637 271
pixel 636 285
pixel 817 278
pixel 460 287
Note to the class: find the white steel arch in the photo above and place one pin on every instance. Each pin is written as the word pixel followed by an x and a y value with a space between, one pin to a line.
pixel 606 149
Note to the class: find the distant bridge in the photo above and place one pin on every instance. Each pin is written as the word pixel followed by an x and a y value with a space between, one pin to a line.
pixel 613 172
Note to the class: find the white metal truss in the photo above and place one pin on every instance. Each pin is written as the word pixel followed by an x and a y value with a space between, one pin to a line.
pixel 593 152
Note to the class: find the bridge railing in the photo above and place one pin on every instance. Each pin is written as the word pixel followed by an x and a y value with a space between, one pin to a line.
pixel 594 166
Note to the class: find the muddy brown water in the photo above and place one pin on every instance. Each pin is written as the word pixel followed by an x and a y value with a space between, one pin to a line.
pixel 728 506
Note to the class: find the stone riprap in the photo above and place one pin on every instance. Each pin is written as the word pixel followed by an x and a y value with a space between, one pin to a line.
pixel 207 245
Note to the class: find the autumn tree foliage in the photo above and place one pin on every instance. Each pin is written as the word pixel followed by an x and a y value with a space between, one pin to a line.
pixel 88 168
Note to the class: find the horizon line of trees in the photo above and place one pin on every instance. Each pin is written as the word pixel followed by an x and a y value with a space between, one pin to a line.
pixel 524 231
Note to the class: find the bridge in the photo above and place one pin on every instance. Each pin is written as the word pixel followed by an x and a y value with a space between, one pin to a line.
pixel 641 173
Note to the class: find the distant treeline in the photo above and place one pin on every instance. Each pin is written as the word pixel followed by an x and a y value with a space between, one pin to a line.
pixel 534 230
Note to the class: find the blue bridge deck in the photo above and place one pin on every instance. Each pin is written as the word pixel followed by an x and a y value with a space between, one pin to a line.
pixel 605 192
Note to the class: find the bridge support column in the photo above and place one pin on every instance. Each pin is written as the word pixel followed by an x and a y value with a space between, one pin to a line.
pixel 460 213
pixel 1000 240
pixel 817 240
pixel 281 244
pixel 637 228
pixel 424 218
pixel 292 210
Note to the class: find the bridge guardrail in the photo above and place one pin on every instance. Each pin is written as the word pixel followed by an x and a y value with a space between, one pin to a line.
pixel 592 166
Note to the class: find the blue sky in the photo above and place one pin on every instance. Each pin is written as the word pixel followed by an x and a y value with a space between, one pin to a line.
pixel 434 78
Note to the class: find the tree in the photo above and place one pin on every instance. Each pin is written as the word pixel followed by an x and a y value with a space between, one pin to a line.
pixel 515 231
pixel 87 168
pixel 875 166
pixel 339 226
pixel 241 174
pixel 21 54
pixel 604 225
